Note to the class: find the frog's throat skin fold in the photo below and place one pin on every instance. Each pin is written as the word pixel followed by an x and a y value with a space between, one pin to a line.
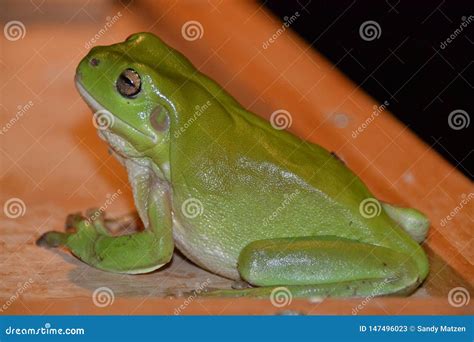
pixel 237 196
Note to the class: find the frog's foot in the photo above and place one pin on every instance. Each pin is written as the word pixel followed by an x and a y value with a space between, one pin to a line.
pixel 90 239
pixel 94 216
pixel 414 222
pixel 324 266
pixel 54 239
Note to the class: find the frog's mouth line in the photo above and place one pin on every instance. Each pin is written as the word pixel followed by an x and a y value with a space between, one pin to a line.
pixel 97 107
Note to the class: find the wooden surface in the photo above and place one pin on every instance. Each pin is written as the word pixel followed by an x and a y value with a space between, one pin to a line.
pixel 53 161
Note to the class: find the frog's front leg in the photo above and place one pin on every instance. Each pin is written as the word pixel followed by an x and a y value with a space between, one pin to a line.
pixel 140 252
pixel 324 266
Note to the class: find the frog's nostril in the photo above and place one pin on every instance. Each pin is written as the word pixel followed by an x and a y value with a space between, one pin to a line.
pixel 94 62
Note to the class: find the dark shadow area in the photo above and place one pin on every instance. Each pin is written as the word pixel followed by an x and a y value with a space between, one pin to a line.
pixel 417 55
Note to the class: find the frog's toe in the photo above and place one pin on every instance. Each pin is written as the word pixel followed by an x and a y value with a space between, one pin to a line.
pixel 52 239
pixel 95 215
pixel 72 220
pixel 74 224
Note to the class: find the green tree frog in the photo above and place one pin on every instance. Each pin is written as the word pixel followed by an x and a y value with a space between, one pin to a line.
pixel 235 195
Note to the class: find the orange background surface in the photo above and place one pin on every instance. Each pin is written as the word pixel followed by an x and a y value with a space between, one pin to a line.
pixel 52 160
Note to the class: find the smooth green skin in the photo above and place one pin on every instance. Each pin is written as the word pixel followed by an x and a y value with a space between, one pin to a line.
pixel 276 210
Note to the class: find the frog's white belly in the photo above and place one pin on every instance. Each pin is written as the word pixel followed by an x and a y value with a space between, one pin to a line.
pixel 203 252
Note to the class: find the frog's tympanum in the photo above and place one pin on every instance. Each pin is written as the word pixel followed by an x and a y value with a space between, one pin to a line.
pixel 235 195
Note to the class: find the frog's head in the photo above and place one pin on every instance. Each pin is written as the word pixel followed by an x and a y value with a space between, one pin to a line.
pixel 127 85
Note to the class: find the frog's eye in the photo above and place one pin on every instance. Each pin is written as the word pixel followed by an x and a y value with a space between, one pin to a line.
pixel 129 83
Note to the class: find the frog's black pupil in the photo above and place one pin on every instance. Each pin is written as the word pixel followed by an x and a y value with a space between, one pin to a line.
pixel 126 80
pixel 129 83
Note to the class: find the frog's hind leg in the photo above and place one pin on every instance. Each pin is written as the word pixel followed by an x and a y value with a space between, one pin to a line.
pixel 414 222
pixel 324 266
